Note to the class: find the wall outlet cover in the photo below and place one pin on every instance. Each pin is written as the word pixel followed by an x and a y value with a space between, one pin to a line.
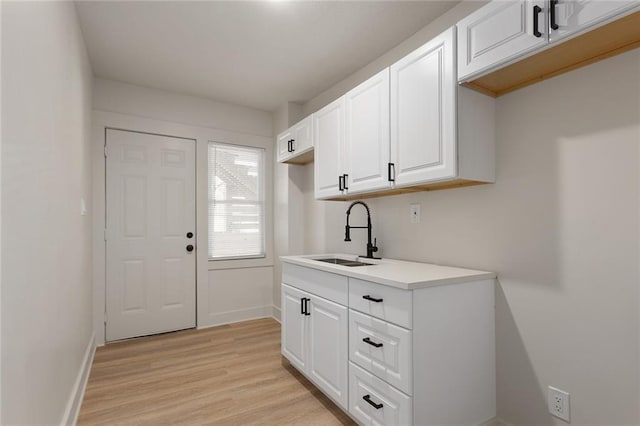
pixel 559 404
pixel 414 213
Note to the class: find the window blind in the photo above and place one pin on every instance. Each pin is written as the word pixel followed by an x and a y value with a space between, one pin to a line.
pixel 236 201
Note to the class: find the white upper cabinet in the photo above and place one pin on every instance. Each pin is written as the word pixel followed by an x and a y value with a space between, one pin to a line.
pixel 367 135
pixel 569 17
pixel 423 113
pixel 503 32
pixel 284 145
pixel 295 145
pixel 328 135
pixel 498 33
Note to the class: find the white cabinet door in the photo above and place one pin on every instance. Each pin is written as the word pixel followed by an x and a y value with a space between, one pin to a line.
pixel 498 33
pixel 569 17
pixel 328 136
pixel 367 134
pixel 284 145
pixel 294 327
pixel 423 113
pixel 328 351
pixel 302 136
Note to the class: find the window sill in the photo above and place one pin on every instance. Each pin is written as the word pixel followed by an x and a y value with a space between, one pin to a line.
pixel 262 262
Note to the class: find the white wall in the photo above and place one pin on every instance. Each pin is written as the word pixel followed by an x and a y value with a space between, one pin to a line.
pixel 561 227
pixel 227 291
pixel 46 243
pixel 130 99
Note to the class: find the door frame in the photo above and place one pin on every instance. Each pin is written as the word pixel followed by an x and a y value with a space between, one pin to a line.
pixel 195 212
pixel 101 120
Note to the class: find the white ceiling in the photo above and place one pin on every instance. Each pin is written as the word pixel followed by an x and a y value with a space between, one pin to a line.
pixel 258 54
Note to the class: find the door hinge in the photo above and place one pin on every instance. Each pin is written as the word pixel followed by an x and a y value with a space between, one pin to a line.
pixel 105 151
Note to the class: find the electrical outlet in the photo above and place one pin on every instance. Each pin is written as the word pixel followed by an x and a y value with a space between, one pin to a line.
pixel 558 403
pixel 414 213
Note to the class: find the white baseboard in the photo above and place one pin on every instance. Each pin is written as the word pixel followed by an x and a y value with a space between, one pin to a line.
pixel 72 410
pixel 277 313
pixel 230 317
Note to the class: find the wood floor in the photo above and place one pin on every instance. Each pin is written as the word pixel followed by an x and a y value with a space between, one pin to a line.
pixel 227 375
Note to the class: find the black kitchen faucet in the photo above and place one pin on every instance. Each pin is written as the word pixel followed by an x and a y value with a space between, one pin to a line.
pixel 371 248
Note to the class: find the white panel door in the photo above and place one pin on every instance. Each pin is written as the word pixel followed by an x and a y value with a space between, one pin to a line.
pixel 367 134
pixel 570 17
pixel 294 326
pixel 328 137
pixel 498 33
pixel 150 209
pixel 423 113
pixel 328 351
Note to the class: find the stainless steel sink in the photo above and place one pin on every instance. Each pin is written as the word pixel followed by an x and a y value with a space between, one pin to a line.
pixel 343 262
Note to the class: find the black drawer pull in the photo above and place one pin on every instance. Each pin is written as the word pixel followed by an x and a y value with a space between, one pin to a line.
pixel 302 305
pixel 373 404
pixel 373 299
pixel 306 306
pixel 372 343
pixel 536 12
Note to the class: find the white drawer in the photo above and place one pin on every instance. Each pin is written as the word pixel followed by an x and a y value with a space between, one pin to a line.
pixel 392 407
pixel 381 348
pixel 381 301
pixel 321 283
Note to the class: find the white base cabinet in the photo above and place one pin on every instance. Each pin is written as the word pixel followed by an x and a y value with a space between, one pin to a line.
pixel 314 340
pixel 390 356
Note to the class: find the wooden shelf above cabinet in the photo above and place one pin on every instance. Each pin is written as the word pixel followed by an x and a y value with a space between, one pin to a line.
pixel 608 40
pixel 302 159
pixel 436 186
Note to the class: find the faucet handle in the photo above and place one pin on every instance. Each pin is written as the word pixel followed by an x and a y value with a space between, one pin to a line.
pixel 374 248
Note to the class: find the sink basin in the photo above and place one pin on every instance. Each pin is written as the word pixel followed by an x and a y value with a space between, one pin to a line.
pixel 343 262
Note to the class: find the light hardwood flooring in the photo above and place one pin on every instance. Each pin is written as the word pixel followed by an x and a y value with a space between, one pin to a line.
pixel 227 375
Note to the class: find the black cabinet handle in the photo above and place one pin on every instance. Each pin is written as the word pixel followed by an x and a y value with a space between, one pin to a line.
pixel 302 305
pixel 190 248
pixel 306 306
pixel 389 167
pixel 372 343
pixel 536 11
pixel 373 404
pixel 293 147
pixel 189 234
pixel 552 11
pixel 344 181
pixel 372 299
pixel 340 183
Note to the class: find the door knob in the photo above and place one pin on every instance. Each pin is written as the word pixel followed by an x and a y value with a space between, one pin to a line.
pixel 190 248
pixel 189 234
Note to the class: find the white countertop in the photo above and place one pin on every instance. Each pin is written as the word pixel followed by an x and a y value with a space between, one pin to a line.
pixel 394 273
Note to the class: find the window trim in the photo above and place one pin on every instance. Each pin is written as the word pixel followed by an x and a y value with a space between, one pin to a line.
pixel 232 262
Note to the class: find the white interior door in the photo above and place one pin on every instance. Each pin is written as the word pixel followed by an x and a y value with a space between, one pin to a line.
pixel 151 209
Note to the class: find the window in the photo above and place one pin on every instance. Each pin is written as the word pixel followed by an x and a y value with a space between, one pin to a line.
pixel 236 201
